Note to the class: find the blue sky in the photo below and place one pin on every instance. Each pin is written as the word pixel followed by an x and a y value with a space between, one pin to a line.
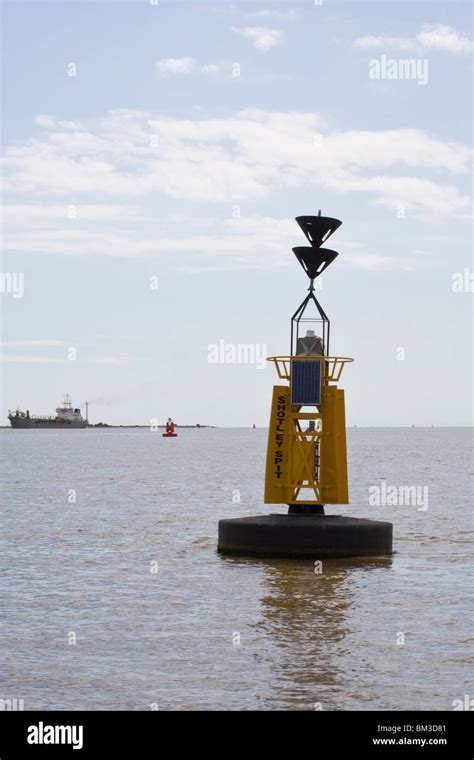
pixel 156 163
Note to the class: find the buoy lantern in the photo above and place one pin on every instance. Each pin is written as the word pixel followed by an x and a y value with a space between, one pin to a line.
pixel 170 429
pixel 306 465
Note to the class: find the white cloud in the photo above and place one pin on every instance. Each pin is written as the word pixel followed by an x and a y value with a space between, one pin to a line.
pixel 372 41
pixel 167 67
pixel 248 240
pixel 243 157
pixel 264 38
pixel 240 159
pixel 170 66
pixel 43 120
pixel 440 37
pixel 17 213
pixel 423 197
pixel 210 68
pixel 430 37
pixel 371 262
pixel 203 244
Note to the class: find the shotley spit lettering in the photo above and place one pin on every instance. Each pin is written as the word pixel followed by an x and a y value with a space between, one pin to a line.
pixel 279 437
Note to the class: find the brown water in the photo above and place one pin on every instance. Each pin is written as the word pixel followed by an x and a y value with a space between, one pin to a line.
pixel 392 633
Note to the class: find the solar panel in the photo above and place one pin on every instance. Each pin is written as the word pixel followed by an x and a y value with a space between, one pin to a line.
pixel 306 382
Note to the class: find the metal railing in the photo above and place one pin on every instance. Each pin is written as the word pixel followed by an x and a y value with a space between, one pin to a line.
pixel 333 365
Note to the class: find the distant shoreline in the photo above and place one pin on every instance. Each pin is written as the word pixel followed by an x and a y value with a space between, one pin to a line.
pixel 104 425
pixel 181 427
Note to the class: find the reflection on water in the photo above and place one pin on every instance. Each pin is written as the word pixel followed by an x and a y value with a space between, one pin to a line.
pixel 305 613
pixel 161 618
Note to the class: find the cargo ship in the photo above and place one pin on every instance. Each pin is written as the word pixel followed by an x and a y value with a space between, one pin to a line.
pixel 66 418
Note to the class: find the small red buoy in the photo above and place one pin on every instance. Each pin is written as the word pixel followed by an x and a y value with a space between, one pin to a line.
pixel 170 429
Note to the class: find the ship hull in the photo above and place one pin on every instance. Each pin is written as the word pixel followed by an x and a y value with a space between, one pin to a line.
pixel 32 424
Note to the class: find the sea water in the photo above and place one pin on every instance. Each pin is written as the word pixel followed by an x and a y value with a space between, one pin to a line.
pixel 114 596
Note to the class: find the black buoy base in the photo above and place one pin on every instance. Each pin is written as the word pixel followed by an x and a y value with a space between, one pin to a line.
pixel 304 536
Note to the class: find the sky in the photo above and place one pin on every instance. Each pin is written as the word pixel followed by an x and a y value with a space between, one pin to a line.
pixel 155 155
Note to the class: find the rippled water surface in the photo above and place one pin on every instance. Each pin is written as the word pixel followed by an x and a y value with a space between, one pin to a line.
pixel 130 570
